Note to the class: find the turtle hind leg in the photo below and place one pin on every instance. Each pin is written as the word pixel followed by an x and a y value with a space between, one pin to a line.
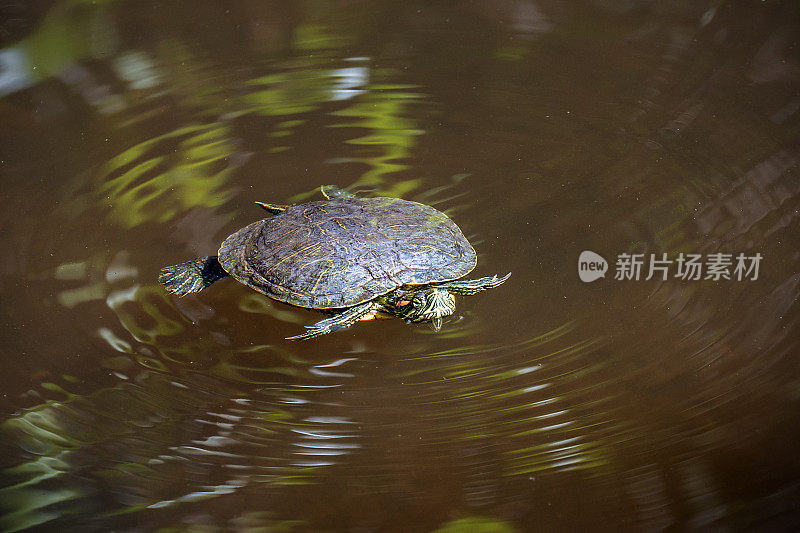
pixel 191 276
pixel 472 286
pixel 348 317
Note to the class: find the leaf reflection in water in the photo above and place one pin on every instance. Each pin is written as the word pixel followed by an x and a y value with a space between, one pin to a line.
pixel 141 187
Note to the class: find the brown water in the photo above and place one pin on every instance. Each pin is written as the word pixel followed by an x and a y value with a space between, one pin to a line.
pixel 135 135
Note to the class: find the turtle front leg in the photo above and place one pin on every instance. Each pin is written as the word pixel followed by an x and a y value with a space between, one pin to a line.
pixel 348 317
pixel 472 286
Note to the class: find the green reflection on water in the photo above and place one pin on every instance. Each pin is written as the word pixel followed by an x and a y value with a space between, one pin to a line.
pixel 141 187
pixel 476 524
pixel 318 37
pixel 290 93
pixel 154 180
pixel 384 111
pixel 71 31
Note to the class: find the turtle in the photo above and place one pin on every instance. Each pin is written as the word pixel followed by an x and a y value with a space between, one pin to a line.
pixel 351 257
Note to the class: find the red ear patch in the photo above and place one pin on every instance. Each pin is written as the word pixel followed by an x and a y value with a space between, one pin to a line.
pixel 401 303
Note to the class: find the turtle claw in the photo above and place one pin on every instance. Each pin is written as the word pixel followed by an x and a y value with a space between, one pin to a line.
pixel 472 286
pixel 272 208
pixel 313 332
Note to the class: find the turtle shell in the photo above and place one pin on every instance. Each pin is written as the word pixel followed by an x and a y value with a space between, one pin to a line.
pixel 344 251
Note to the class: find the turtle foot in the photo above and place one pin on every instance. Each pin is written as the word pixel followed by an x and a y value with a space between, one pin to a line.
pixel 191 276
pixel 472 286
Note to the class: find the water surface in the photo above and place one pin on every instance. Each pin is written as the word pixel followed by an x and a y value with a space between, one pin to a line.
pixel 134 135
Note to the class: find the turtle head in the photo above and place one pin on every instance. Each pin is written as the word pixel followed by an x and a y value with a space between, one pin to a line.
pixel 426 305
